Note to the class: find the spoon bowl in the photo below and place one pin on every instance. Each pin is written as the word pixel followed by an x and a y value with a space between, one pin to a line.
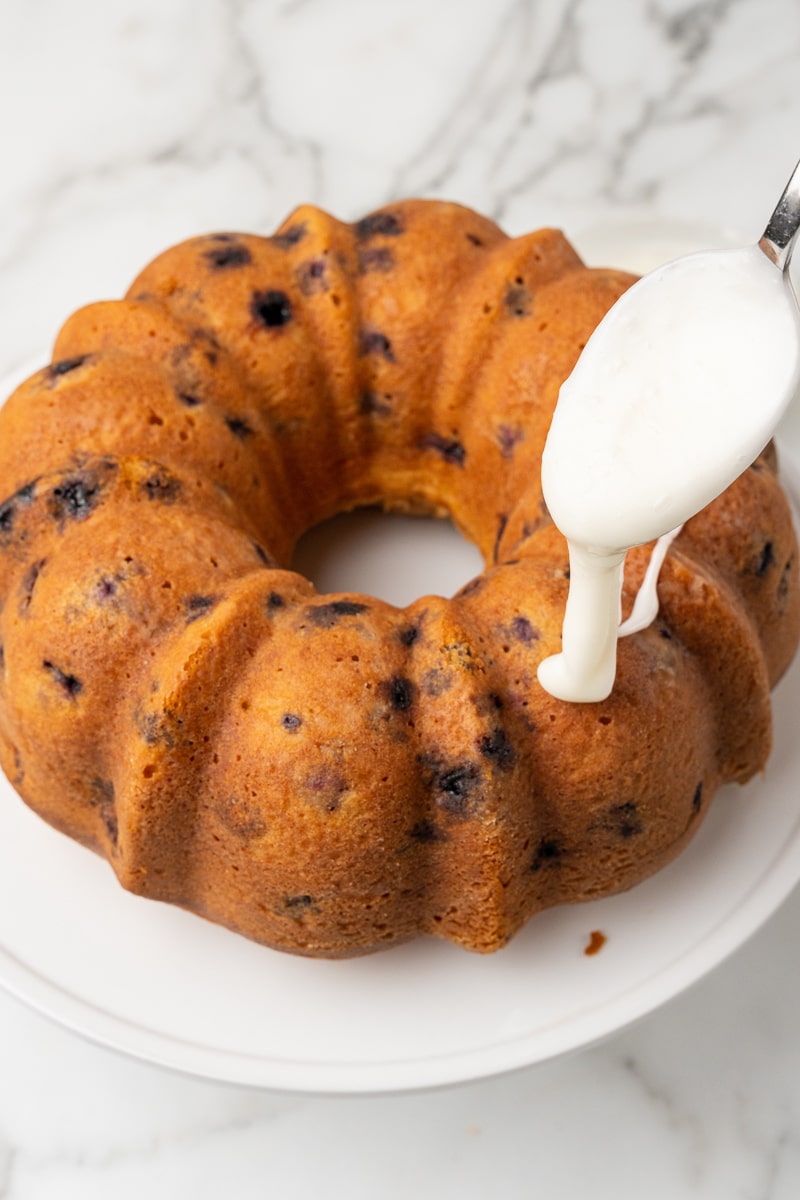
pixel 677 391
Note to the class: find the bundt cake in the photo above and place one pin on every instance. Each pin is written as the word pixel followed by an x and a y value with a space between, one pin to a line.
pixel 329 774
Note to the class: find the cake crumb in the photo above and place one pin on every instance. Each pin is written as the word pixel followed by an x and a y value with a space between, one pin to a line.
pixel 596 942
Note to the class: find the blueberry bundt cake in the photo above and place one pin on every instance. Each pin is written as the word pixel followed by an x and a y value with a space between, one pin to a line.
pixel 330 774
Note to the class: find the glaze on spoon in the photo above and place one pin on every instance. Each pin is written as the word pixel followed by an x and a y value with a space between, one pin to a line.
pixel 678 389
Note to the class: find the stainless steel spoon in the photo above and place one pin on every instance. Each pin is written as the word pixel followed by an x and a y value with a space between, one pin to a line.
pixel 778 239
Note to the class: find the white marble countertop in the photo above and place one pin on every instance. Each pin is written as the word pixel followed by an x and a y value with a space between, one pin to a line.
pixel 127 126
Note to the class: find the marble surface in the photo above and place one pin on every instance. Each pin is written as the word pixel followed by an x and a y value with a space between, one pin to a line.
pixel 126 126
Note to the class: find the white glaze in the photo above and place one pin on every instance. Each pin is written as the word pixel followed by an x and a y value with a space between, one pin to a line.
pixel 645 605
pixel 677 391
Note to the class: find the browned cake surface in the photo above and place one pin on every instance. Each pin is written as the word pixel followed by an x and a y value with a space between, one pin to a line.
pixel 330 774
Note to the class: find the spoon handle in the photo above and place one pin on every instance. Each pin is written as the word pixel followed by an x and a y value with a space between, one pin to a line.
pixel 777 240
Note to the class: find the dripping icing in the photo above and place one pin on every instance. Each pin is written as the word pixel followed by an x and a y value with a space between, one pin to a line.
pixel 678 389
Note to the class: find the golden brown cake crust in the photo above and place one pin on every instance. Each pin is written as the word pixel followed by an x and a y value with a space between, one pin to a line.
pixel 331 774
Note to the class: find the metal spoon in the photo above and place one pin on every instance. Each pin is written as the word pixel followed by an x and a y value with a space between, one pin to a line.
pixel 778 239
pixel 640 442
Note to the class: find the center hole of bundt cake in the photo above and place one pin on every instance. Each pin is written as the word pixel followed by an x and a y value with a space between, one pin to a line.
pixel 389 555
